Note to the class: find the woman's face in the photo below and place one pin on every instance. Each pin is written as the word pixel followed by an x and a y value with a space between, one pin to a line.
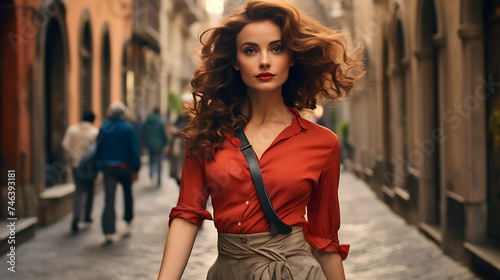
pixel 260 57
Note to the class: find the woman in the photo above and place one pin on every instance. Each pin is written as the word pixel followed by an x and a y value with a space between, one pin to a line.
pixel 263 63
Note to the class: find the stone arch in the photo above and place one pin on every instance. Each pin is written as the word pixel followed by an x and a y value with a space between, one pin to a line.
pixel 399 25
pixel 86 53
pixel 50 117
pixel 423 9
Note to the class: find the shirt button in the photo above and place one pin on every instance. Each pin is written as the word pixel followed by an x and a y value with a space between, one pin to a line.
pixel 247 202
pixel 239 224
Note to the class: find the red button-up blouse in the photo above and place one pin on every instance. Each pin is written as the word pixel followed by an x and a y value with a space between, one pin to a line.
pixel 300 169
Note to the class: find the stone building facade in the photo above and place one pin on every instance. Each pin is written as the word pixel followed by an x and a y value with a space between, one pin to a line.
pixel 424 123
pixel 59 58
pixel 163 42
pixel 180 29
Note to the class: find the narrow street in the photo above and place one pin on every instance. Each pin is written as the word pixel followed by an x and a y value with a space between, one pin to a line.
pixel 382 245
pixel 422 117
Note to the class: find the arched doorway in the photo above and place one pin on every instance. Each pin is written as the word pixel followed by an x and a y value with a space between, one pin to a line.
pixel 428 61
pixel 386 118
pixel 86 56
pixel 400 108
pixel 105 73
pixel 54 103
pixel 492 71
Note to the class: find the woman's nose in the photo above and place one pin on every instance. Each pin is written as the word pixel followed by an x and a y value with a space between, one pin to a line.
pixel 264 61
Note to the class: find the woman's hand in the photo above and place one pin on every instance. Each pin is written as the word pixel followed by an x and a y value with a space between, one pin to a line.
pixel 331 264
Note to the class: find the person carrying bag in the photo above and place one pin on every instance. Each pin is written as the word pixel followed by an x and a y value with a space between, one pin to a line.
pixel 249 149
pixel 79 142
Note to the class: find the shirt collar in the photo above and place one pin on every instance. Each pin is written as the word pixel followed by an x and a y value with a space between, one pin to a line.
pixel 298 124
pixel 300 121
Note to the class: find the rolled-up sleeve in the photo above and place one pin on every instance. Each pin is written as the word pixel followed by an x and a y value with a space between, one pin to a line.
pixel 193 193
pixel 323 211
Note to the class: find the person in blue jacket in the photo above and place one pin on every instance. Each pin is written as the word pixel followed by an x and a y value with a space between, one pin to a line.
pixel 118 157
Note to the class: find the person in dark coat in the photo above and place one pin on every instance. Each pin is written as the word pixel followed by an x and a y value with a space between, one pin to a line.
pixel 118 157
pixel 154 139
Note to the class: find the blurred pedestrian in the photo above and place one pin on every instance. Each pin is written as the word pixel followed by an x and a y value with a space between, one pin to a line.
pixel 118 156
pixel 249 149
pixel 76 142
pixel 177 146
pixel 154 139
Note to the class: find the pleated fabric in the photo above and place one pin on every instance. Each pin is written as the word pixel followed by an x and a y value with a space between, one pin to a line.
pixel 261 256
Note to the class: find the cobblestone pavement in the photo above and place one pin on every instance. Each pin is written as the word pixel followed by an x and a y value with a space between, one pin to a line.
pixel 382 245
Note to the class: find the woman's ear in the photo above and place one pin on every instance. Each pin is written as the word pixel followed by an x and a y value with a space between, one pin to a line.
pixel 291 63
pixel 236 65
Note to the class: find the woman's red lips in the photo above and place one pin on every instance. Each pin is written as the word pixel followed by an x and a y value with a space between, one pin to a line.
pixel 265 76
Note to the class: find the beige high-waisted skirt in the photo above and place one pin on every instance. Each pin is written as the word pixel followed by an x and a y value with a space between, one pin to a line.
pixel 262 256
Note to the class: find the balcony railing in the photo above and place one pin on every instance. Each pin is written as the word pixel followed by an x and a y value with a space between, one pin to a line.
pixel 192 10
pixel 146 20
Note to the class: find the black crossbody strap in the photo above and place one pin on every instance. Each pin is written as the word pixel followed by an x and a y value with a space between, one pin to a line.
pixel 277 225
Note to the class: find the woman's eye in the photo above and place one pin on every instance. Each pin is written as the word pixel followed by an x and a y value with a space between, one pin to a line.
pixel 250 51
pixel 277 49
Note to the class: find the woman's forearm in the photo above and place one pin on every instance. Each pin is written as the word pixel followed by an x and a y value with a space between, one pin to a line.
pixel 331 264
pixel 180 240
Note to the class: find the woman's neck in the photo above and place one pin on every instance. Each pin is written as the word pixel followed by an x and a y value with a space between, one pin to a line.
pixel 266 107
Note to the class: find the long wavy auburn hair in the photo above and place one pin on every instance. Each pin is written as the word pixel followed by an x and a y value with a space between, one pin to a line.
pixel 321 69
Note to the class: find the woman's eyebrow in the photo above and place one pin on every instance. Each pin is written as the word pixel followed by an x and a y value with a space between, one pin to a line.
pixel 256 45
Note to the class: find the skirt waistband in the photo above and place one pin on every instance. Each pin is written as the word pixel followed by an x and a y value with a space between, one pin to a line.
pixel 261 256
pixel 238 246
